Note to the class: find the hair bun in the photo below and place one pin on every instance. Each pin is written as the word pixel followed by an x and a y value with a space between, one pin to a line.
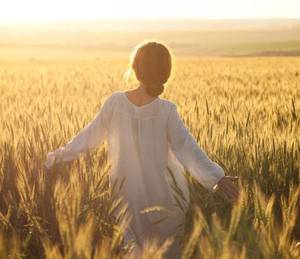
pixel 155 89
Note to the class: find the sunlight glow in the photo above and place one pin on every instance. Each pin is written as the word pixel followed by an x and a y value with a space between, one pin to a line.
pixel 49 10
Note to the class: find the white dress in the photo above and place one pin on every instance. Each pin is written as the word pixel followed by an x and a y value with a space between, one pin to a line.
pixel 145 144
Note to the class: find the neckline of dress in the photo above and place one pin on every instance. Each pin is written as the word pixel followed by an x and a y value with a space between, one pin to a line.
pixel 139 107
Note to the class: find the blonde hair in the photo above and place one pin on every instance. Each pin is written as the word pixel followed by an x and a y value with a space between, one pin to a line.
pixel 152 63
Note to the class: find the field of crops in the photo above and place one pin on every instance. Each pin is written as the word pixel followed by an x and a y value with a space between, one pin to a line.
pixel 244 112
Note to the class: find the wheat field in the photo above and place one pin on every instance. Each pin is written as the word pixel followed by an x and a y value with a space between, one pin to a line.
pixel 244 112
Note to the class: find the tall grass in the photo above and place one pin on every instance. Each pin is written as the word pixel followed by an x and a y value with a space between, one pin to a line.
pixel 244 112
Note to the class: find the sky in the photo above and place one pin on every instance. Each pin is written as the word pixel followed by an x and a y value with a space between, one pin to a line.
pixel 52 10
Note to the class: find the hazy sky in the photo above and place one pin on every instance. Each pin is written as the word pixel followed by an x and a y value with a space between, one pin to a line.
pixel 30 10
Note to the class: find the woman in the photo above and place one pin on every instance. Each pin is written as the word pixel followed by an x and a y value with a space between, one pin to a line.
pixel 147 143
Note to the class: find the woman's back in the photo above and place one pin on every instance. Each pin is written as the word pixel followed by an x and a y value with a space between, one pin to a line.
pixel 138 149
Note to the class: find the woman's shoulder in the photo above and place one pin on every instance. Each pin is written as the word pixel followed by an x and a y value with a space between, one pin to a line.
pixel 114 95
pixel 110 98
pixel 168 104
pixel 114 98
pixel 166 107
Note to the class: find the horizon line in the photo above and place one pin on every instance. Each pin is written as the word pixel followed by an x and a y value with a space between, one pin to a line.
pixel 150 19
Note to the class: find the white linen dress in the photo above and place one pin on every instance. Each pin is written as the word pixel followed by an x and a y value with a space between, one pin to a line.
pixel 145 144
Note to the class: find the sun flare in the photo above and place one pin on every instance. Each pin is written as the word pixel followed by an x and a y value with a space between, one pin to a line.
pixel 32 10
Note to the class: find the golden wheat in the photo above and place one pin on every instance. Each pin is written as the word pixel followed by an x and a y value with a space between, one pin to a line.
pixel 243 111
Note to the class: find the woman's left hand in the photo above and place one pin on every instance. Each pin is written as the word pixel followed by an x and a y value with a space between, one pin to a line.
pixel 227 186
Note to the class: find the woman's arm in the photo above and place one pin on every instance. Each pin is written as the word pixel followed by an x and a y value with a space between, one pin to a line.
pixel 88 138
pixel 193 158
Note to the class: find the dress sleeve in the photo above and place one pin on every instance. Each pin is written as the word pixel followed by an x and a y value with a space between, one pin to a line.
pixel 91 136
pixel 187 151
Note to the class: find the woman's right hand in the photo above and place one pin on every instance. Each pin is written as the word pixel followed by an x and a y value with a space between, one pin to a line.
pixel 230 191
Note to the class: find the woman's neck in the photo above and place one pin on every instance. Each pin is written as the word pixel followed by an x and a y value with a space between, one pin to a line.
pixel 139 95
